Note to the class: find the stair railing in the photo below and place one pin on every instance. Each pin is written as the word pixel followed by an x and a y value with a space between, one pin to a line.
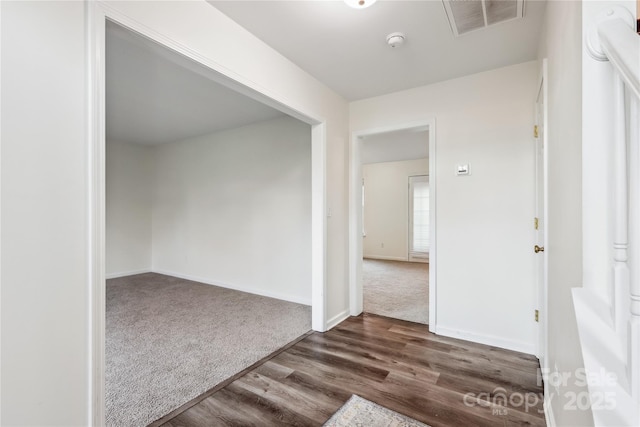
pixel 614 39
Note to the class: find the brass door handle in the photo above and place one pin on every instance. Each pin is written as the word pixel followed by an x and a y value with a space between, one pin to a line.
pixel 537 249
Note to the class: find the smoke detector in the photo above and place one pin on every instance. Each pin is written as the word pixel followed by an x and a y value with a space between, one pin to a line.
pixel 395 39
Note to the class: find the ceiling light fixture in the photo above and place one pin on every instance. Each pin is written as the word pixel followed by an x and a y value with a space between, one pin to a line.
pixel 359 4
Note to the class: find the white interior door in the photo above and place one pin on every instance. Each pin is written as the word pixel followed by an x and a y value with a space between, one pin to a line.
pixel 540 225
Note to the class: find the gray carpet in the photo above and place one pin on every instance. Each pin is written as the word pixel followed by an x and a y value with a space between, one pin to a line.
pixel 396 289
pixel 169 340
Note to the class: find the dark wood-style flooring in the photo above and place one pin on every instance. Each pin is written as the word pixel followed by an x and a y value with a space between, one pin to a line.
pixel 397 364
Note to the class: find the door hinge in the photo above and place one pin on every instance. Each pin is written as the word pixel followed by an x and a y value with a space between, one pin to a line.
pixel 537 315
pixel 535 131
pixel 535 223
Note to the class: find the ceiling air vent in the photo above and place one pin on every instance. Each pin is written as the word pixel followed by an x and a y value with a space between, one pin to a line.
pixel 470 15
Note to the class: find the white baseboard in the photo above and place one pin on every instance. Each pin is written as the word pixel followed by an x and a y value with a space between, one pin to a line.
pixel 127 273
pixel 250 290
pixel 338 318
pixel 486 339
pixel 386 258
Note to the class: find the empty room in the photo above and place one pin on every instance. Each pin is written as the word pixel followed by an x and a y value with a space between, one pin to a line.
pixel 207 230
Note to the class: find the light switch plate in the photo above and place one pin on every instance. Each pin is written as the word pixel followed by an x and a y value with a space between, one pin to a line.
pixel 463 169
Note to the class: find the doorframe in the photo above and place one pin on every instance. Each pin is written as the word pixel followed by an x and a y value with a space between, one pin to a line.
pixel 97 14
pixel 542 291
pixel 355 213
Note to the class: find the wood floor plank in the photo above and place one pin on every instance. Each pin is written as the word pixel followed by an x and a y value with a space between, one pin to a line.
pixel 336 375
pixel 274 371
pixel 237 407
pixel 472 367
pixel 440 381
pixel 362 370
pixel 380 338
pixel 215 411
pixel 382 341
pixel 366 355
pixel 460 382
pixel 285 395
pixel 488 353
pixel 334 397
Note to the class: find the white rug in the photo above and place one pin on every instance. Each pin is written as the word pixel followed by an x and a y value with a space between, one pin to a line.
pixel 361 412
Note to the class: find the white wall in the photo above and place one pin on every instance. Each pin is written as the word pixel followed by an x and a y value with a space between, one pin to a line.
pixel 129 192
pixel 386 211
pixel 485 232
pixel 44 309
pixel 233 208
pixel 561 44
pixel 45 187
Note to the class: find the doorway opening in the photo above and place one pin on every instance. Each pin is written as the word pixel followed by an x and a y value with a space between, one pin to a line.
pixel 193 223
pixel 187 58
pixel 392 229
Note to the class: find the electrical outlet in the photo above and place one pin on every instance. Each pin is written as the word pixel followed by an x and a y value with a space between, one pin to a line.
pixel 382 245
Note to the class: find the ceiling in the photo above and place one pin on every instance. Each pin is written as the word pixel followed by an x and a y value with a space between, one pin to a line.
pixel 346 48
pixel 154 96
pixel 408 144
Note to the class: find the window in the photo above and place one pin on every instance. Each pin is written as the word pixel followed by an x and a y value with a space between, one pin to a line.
pixel 419 218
